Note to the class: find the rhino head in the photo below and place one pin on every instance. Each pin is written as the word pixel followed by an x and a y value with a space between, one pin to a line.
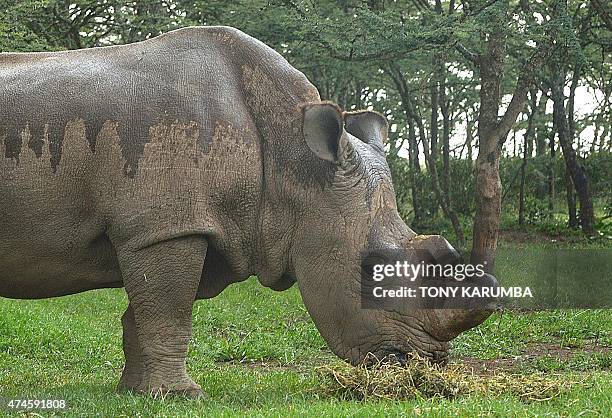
pixel 354 213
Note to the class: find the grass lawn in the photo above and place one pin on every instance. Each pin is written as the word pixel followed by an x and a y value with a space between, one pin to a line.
pixel 256 352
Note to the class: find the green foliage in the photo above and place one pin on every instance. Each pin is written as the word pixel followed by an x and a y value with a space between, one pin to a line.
pixel 599 169
pixel 462 186
pixel 536 211
pixel 14 34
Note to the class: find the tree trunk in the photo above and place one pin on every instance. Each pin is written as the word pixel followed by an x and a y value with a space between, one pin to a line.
pixel 569 184
pixel 527 155
pixel 469 138
pixel 446 123
pixel 602 139
pixel 521 214
pixel 571 199
pixel 433 123
pixel 598 139
pixel 415 174
pixel 576 170
pixel 594 143
pixel 551 171
pixel 541 143
pixel 541 132
pixel 488 182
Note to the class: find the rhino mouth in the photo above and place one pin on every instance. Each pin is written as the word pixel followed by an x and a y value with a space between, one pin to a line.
pixel 404 356
pixel 420 343
pixel 436 352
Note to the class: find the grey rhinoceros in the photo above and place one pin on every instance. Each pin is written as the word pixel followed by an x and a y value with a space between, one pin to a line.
pixel 176 166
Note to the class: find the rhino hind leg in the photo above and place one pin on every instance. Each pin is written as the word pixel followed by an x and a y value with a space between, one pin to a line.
pixel 161 282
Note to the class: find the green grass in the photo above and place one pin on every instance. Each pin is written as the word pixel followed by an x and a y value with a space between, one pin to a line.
pixel 255 352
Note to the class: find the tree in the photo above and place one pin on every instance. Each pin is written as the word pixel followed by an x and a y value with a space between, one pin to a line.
pixel 493 130
pixel 568 46
pixel 576 170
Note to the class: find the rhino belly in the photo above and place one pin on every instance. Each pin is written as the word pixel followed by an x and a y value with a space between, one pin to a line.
pixel 39 264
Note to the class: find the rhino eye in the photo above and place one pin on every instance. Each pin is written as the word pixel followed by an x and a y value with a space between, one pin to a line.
pixel 368 269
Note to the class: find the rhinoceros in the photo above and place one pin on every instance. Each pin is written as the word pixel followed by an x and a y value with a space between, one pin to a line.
pixel 176 166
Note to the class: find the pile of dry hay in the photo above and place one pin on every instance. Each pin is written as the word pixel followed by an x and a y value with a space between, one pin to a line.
pixel 421 379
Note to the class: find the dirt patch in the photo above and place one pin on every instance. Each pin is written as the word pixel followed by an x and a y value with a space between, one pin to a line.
pixel 272 365
pixel 530 354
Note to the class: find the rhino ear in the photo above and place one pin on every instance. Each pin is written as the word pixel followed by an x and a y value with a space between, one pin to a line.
pixel 322 128
pixel 368 126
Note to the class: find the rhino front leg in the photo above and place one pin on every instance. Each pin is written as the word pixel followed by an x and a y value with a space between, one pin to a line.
pixel 134 363
pixel 161 282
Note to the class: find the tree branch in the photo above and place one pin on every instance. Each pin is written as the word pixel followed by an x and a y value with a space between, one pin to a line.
pixel 467 54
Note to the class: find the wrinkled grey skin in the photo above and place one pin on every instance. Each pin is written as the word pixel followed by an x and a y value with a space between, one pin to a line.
pixel 176 166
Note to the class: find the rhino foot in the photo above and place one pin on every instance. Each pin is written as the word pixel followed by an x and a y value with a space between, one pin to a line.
pixel 193 391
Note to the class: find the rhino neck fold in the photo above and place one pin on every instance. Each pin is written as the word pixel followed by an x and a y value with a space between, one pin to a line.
pixel 273 92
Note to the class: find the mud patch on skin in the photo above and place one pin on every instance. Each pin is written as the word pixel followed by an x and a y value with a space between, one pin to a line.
pixel 12 143
pixel 45 95
pixel 38 133
pixel 37 157
pixel 228 139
